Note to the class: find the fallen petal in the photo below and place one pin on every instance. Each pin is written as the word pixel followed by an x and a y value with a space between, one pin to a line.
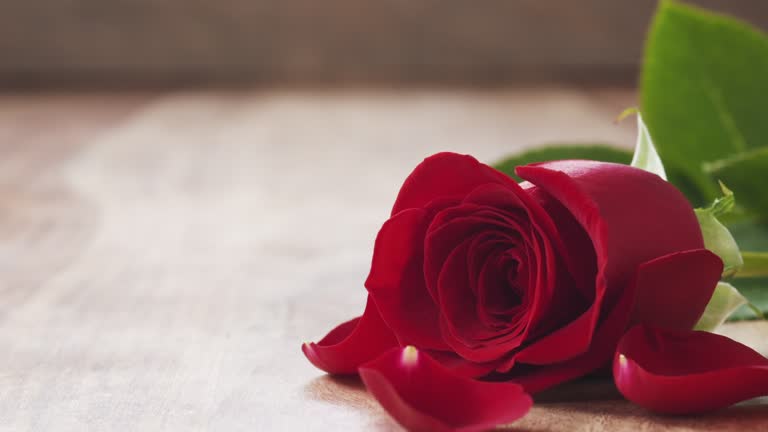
pixel 681 372
pixel 422 395
pixel 352 343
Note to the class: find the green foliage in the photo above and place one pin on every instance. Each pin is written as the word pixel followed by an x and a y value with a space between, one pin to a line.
pixel 702 89
pixel 703 84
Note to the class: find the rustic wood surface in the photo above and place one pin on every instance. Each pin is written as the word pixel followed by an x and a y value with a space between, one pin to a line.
pixel 134 42
pixel 164 255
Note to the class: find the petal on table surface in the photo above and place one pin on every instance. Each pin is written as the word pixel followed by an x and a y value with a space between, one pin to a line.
pixel 683 371
pixel 422 395
pixel 352 343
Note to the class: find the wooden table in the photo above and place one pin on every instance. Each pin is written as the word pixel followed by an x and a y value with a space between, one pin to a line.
pixel 164 255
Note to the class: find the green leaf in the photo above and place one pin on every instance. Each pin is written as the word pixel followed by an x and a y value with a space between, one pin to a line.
pixel 645 156
pixel 599 152
pixel 746 173
pixel 702 91
pixel 725 301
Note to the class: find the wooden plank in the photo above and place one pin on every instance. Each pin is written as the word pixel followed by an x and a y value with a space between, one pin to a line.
pixel 164 256
pixel 172 42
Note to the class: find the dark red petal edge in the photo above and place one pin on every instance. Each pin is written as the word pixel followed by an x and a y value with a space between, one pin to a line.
pixel 675 291
pixel 602 348
pixel 658 275
pixel 445 175
pixel 396 281
pixel 460 366
pixel 421 394
pixel 625 227
pixel 681 372
pixel 352 343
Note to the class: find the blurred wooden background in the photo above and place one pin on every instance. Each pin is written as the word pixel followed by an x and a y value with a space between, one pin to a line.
pixel 179 42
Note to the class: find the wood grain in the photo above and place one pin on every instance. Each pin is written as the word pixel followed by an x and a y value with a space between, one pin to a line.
pixel 172 42
pixel 165 255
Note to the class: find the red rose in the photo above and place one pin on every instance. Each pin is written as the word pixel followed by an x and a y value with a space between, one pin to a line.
pixel 533 283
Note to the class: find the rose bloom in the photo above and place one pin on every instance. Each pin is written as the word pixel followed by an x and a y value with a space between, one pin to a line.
pixel 531 284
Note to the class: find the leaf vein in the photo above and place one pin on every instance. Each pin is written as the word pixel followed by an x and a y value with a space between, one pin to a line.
pixel 726 119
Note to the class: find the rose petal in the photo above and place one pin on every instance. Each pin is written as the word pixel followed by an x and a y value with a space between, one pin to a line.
pixel 638 218
pixel 457 224
pixel 543 240
pixel 445 175
pixel 650 277
pixel 681 371
pixel 675 294
pixel 564 343
pixel 352 343
pixel 578 250
pixel 631 215
pixel 423 395
pixel 461 328
pixel 460 366
pixel 513 213
pixel 668 294
pixel 396 281
pixel 603 344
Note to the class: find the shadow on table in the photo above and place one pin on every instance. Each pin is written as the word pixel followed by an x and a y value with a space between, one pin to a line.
pixel 607 414
pixel 350 392
pixel 588 404
pixel 585 389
